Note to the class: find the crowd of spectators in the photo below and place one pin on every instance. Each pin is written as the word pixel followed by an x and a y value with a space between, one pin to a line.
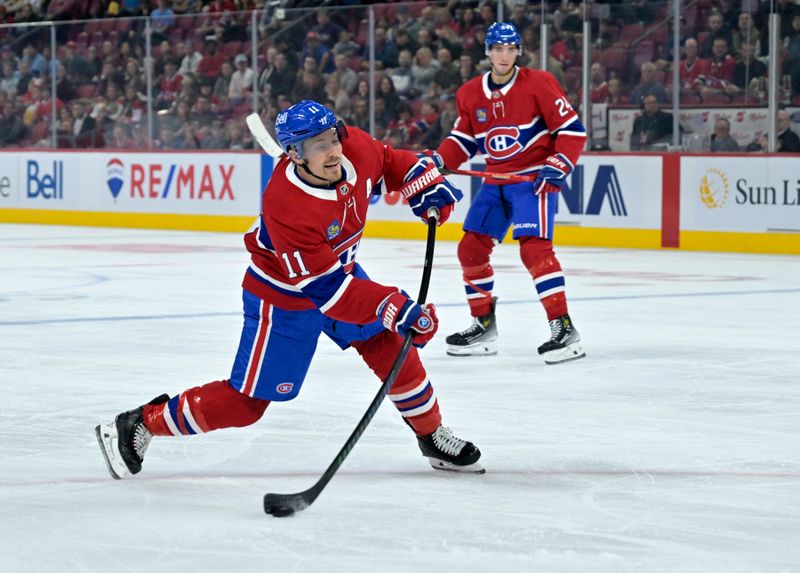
pixel 203 75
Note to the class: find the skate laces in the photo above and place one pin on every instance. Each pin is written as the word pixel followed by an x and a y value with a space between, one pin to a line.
pixel 556 328
pixel 475 328
pixel 444 439
pixel 141 439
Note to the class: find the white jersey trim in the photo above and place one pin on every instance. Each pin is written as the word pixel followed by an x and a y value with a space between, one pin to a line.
pixel 337 295
pixel 504 90
pixel 324 194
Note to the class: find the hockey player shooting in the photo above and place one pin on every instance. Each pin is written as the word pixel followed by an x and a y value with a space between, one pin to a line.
pixel 521 121
pixel 303 280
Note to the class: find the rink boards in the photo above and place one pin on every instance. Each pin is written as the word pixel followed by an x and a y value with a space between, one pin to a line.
pixel 697 202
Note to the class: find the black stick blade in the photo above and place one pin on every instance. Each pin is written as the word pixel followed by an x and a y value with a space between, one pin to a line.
pixel 283 505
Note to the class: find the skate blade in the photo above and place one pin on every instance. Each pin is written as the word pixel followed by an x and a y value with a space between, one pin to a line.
pixel 105 441
pixel 475 468
pixel 480 349
pixel 571 352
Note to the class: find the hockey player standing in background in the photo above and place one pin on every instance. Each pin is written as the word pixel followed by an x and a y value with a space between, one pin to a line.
pixel 521 121
pixel 303 280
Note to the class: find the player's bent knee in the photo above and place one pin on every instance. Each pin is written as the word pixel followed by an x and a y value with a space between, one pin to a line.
pixel 535 252
pixel 380 351
pixel 474 249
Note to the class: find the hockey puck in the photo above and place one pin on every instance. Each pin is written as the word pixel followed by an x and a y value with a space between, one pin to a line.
pixel 280 510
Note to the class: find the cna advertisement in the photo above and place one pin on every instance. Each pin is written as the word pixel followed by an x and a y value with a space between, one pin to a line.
pixel 175 183
pixel 740 194
pixel 611 191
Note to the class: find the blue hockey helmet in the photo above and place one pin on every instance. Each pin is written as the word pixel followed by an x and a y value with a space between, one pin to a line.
pixel 502 33
pixel 302 121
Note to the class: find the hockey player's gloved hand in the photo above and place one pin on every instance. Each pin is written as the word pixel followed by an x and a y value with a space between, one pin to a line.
pixel 425 187
pixel 553 175
pixel 401 314
pixel 434 155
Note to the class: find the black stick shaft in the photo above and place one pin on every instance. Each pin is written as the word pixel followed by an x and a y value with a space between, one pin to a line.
pixel 301 500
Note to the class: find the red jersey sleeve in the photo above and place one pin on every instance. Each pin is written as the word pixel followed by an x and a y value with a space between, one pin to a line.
pixel 560 118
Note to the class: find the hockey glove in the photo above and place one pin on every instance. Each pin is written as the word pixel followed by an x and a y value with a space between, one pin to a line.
pixel 425 187
pixel 434 155
pixel 401 314
pixel 553 175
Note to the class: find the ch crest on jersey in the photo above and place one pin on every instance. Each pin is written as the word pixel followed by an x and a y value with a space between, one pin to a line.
pixel 502 142
pixel 334 229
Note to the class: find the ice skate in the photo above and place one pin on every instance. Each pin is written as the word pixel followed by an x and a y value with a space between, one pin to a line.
pixel 446 452
pixel 124 441
pixel 480 339
pixel 564 344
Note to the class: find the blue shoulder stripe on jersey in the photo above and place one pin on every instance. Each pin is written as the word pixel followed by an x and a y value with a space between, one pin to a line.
pixel 576 127
pixel 468 144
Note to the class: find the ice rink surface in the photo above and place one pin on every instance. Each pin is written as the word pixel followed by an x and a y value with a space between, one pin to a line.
pixel 673 447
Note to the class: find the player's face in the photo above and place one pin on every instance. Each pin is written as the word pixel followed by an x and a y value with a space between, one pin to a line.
pixel 323 155
pixel 503 57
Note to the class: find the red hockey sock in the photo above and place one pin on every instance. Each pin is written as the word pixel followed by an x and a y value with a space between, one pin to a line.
pixel 540 260
pixel 474 250
pixel 412 393
pixel 202 409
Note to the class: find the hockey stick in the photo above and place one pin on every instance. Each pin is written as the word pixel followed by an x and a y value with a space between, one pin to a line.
pixel 513 178
pixel 283 504
pixel 268 144
pixel 262 136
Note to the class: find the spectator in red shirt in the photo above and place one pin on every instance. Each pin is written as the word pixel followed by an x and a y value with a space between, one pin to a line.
pixel 690 68
pixel 716 74
pixel 598 86
pixel 209 66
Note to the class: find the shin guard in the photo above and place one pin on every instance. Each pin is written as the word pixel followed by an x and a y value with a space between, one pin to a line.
pixel 540 260
pixel 412 393
pixel 474 250
pixel 204 408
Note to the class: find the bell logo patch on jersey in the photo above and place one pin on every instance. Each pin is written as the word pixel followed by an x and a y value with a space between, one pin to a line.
pixel 285 388
pixel 480 113
pixel 333 230
pixel 503 142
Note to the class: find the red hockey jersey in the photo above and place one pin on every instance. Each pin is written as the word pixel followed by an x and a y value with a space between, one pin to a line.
pixel 515 127
pixel 303 245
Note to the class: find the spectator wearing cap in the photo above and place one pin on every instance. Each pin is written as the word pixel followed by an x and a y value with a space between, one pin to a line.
pixel 319 51
pixel 242 79
pixel 77 66
pixel 209 66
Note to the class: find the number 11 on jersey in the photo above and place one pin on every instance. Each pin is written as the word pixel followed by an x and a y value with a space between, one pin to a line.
pixel 297 257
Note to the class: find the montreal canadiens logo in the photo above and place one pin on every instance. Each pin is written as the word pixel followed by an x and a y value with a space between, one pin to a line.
pixel 285 388
pixel 503 142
